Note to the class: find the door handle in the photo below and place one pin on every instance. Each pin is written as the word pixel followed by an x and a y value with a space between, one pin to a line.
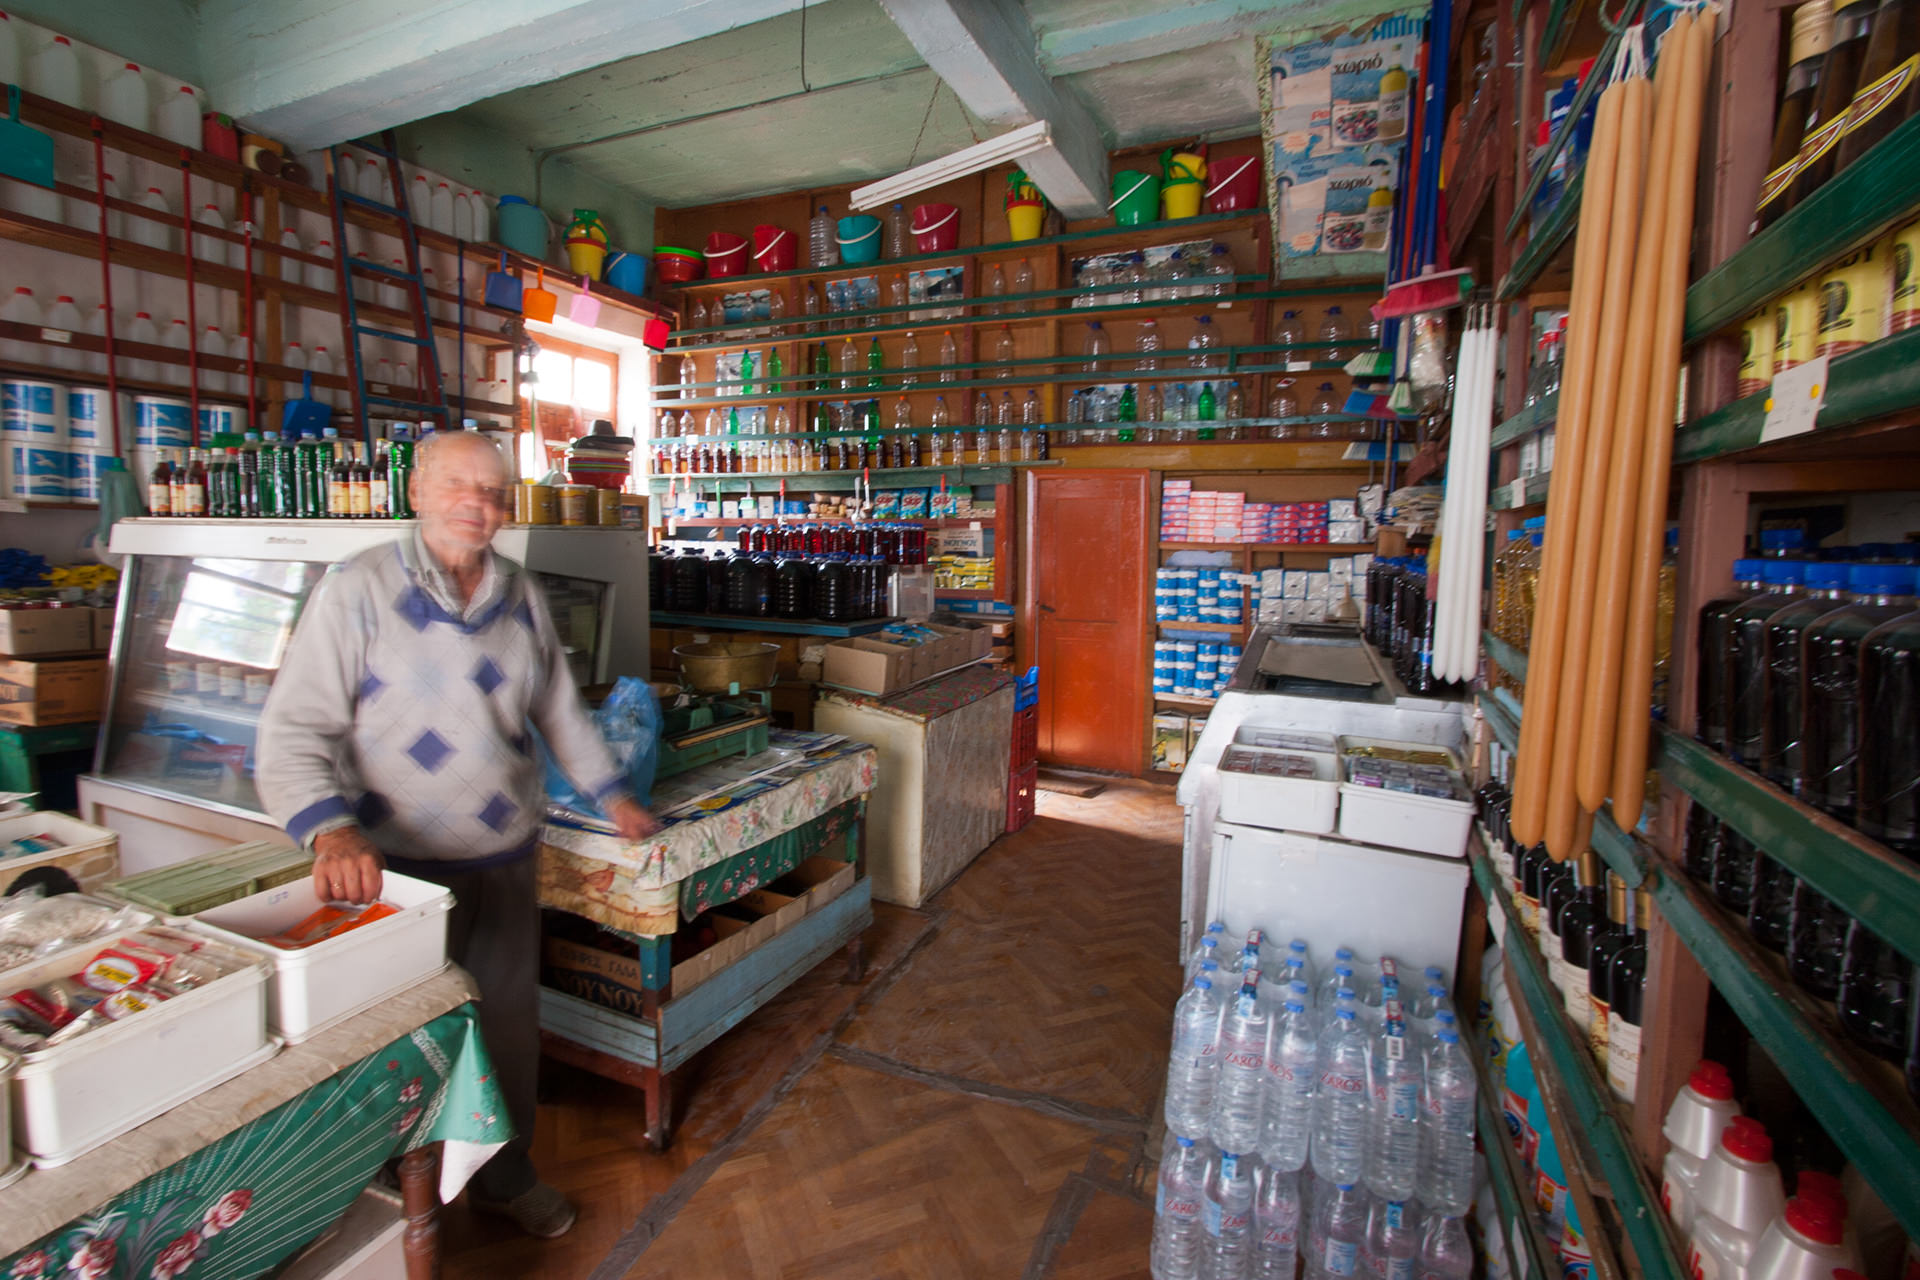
pixel 1046 608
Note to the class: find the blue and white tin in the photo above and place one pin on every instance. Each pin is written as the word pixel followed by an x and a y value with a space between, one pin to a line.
pixel 33 412
pixel 162 422
pixel 35 473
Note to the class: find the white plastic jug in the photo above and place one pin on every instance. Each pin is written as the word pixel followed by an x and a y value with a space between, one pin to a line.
pixel 126 98
pixel 1740 1193
pixel 210 248
pixel 10 60
pixel 315 275
pixel 178 117
pixel 64 316
pixel 21 308
pixel 1806 1242
pixel 54 72
pixel 155 234
pixel 439 209
pixel 1700 1113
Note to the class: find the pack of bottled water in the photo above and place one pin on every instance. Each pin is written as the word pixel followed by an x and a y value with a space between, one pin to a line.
pixel 1325 1115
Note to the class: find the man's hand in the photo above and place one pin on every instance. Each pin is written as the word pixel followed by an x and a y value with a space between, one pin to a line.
pixel 630 820
pixel 346 866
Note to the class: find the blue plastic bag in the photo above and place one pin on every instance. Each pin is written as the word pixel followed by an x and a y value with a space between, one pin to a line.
pixel 629 722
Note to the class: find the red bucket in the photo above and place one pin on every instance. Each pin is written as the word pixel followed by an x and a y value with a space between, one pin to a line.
pixel 773 249
pixel 726 254
pixel 1238 186
pixel 936 227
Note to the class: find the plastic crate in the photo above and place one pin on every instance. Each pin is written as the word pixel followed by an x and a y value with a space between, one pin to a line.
pixel 1023 789
pixel 1026 739
pixel 1026 689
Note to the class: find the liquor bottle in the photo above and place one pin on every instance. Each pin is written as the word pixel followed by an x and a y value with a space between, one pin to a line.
pixel 160 487
pixel 359 482
pixel 1626 993
pixel 339 481
pixel 1607 942
pixel 1889 87
pixel 1839 76
pixel 400 479
pixel 1812 33
pixel 377 482
pixel 1583 918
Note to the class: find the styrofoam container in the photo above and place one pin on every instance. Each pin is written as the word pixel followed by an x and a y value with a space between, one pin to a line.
pixel 1254 735
pixel 1400 819
pixel 74 1097
pixel 317 987
pixel 1279 803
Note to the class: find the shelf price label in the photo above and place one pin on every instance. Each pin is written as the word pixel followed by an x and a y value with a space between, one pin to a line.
pixel 1794 400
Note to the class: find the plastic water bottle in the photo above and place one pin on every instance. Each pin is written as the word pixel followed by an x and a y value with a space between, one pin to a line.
pixel 1192 1064
pixel 1340 1107
pixel 1276 1224
pixel 1178 1235
pixel 210 248
pixel 1240 1089
pixel 54 72
pixel 1445 1252
pixel 178 117
pixel 1393 1112
pixel 1003 352
pixel 63 315
pixel 1227 1216
pixel 21 308
pixel 950 356
pixel 1202 343
pixel 124 97
pixel 95 362
pixel 1331 1002
pixel 1339 1227
pixel 313 274
pixel 820 238
pixel 1098 344
pixel 897 246
pixel 237 347
pixel 294 357
pixel 1341 975
pixel 1392 1250
pixel 1249 957
pixel 909 360
pixel 439 209
pixel 1447 1114
pixel 1299 962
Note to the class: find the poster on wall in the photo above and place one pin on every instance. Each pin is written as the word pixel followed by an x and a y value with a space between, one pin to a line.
pixel 1336 115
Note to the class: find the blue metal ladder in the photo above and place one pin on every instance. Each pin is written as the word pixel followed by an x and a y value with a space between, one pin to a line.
pixel 427 368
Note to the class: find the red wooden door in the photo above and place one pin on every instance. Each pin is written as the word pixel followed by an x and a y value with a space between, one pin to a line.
pixel 1085 609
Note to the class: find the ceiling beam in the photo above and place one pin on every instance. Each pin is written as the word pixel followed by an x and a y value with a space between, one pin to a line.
pixel 984 50
pixel 314 75
pixel 1149 28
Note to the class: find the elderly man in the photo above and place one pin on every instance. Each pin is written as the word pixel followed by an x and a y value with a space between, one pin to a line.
pixel 398 736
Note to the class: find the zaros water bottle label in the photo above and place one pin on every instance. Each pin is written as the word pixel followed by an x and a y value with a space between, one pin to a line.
pixel 1403 1101
pixel 1342 1257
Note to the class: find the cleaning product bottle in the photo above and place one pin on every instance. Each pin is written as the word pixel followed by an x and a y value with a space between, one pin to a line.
pixel 1740 1193
pixel 1700 1113
pixel 1808 1241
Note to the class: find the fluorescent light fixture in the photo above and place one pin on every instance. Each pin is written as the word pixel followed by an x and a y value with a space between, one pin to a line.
pixel 1024 141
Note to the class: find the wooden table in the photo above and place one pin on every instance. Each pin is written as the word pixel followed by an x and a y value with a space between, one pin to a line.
pixel 48 1208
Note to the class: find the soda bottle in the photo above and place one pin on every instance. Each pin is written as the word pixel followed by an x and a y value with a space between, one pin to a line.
pixel 1340 1109
pixel 876 361
pixel 1227 1215
pixel 247 477
pixel 1193 1061
pixel 1240 1089
pixel 1293 1052
pixel 1178 1236
pixel 1276 1224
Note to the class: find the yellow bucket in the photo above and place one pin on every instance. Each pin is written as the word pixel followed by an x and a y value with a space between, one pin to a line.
pixel 1024 220
pixel 1182 184
pixel 585 255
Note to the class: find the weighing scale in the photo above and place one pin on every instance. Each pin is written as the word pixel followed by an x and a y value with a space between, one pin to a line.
pixel 704 727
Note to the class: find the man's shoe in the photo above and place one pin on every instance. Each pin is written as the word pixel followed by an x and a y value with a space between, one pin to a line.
pixel 540 1211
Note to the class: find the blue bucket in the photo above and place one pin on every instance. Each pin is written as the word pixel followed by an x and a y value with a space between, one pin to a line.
pixel 860 238
pixel 627 272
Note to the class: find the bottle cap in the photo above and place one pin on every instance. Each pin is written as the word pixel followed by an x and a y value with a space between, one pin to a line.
pixel 1814 1184
pixel 1781 573
pixel 1747 1139
pixel 1710 1080
pixel 1880 579
pixel 1747 570
pixel 1815 1219
pixel 1781 539
pixel 1826 575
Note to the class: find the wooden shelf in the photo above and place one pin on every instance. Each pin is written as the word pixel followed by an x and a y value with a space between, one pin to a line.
pixel 1224 628
pixel 1177 700
pixel 1535 417
pixel 781 626
pixel 751 482
pixel 1331 548
pixel 1563 137
pixel 1545 241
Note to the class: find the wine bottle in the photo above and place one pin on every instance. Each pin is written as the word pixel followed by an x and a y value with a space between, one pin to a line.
pixel 1812 34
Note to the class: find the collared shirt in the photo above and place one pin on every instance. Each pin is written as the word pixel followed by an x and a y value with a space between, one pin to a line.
pixel 412 713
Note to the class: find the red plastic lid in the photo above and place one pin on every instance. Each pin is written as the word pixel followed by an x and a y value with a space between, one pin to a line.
pixel 65 297
pixel 61 40
pixel 1746 1139
pixel 1543 135
pixel 23 289
pixel 133 66
pixel 1847 1273
pixel 1815 1219
pixel 1710 1080
pixel 1816 1185
pixel 186 89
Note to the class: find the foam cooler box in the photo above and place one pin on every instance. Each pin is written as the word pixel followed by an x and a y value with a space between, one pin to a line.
pixel 317 987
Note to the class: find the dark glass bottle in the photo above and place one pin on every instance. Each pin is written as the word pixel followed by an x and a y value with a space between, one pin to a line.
pixel 1626 999
pixel 833 590
pixel 1770 908
pixel 1534 863
pixel 1747 657
pixel 1733 872
pixel 1559 885
pixel 1889 759
pixel 1807 51
pixel 1889 87
pixel 1826 590
pixel 657 578
pixel 1839 76
pixel 1583 919
pixel 247 478
pixel 793 586
pixel 1712 726
pixel 1608 939
pixel 1830 684
pixel 1704 835
pixel 1816 940
pixel 1875 1000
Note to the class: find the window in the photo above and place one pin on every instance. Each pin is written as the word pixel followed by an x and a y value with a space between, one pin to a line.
pixel 571 386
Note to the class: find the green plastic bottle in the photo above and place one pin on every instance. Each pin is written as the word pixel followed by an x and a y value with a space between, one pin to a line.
pixel 1204 410
pixel 746 372
pixel 822 366
pixel 876 361
pixel 270 505
pixel 1129 408
pixel 775 367
pixel 400 479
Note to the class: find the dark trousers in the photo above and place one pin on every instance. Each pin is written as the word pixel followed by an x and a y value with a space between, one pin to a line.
pixel 494 934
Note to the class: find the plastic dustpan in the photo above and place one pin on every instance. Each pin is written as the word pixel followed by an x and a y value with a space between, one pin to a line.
pixel 585 309
pixel 304 416
pixel 26 154
pixel 538 303
pixel 503 288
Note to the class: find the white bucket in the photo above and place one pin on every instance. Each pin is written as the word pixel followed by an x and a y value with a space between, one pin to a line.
pixel 221 419
pixel 89 418
pixel 162 422
pixel 33 412
pixel 35 473
pixel 83 473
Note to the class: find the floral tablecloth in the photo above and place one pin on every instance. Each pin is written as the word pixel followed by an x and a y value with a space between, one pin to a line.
pixel 237 1207
pixel 635 887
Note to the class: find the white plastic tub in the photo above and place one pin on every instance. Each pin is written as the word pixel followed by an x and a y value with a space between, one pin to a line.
pixel 1256 799
pixel 1286 739
pixel 89 854
pixel 69 1099
pixel 318 987
pixel 10 1168
pixel 1401 819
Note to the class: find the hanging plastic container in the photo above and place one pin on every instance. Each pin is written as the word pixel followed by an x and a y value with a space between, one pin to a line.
pixel 539 302
pixel 523 228
pixel 936 227
pixel 859 239
pixel 1181 176
pixel 1026 207
pixel 1136 198
pixel 677 266
pixel 1236 185
pixel 627 272
pixel 726 254
pixel 586 243
pixel 774 249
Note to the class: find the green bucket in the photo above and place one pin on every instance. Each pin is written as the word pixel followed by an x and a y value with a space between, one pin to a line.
pixel 1136 197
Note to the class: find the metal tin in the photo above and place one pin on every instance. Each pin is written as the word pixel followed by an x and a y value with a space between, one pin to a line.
pixel 543 504
pixel 609 500
pixel 1756 354
pixel 1796 315
pixel 576 505
pixel 1903 306
pixel 1853 303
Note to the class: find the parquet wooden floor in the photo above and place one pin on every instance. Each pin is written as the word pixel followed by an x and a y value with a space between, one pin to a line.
pixel 976 1108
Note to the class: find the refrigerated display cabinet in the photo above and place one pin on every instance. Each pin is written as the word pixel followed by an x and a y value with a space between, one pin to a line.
pixel 207 611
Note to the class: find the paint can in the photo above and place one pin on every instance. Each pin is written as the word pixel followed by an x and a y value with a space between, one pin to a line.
pixel 34 472
pixel 89 418
pixel 162 422
pixel 33 412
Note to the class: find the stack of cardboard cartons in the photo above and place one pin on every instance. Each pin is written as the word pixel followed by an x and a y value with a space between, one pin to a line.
pixel 903 655
pixel 51 671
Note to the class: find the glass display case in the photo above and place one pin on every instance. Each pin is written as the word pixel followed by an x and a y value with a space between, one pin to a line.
pixel 207 612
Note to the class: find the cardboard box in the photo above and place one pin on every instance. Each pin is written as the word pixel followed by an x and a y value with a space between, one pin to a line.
pixel 103 629
pixel 870 666
pixel 52 690
pixel 28 633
